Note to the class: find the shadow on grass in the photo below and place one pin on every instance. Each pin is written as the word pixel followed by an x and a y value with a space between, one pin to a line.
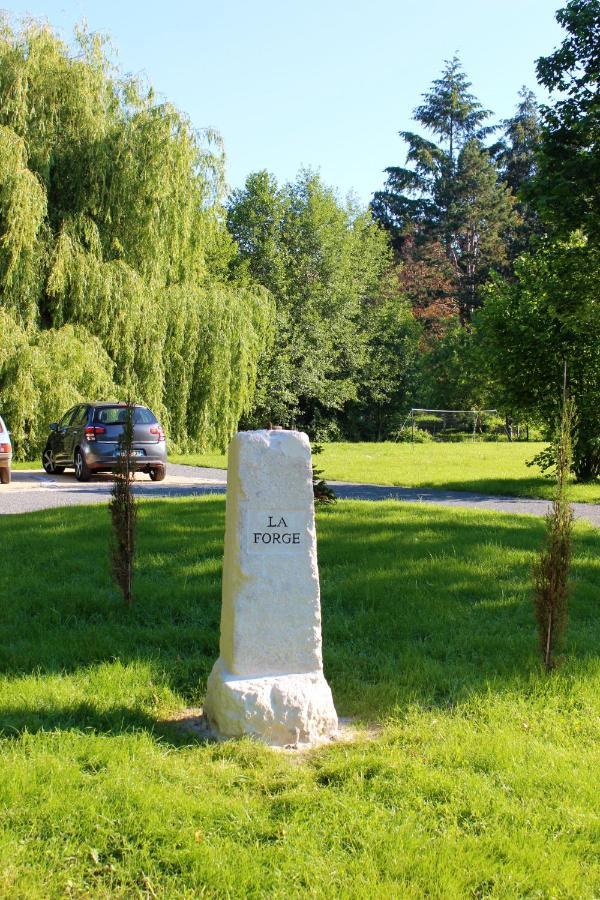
pixel 420 604
pixel 91 719
pixel 536 487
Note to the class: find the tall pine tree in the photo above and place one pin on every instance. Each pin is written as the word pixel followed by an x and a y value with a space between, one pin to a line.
pixel 449 191
pixel 516 158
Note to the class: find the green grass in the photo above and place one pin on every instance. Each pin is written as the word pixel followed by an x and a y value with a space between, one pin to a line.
pixel 483 781
pixel 211 458
pixel 31 464
pixel 489 468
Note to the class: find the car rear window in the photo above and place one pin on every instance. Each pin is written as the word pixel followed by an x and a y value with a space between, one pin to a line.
pixel 117 415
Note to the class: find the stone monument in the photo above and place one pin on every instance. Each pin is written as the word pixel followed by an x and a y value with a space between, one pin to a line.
pixel 268 680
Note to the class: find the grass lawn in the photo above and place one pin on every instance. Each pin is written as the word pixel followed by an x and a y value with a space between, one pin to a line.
pixel 19 466
pixel 471 466
pixel 483 781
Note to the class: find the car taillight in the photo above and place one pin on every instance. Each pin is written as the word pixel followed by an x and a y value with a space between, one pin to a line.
pixel 156 429
pixel 92 430
pixel 4 448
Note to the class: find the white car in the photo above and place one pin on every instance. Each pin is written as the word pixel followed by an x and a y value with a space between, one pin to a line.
pixel 5 454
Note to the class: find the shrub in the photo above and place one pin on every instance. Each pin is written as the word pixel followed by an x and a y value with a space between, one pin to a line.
pixel 122 509
pixel 551 569
pixel 407 435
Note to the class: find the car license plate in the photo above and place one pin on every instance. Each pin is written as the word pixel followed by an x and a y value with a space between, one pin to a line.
pixel 133 453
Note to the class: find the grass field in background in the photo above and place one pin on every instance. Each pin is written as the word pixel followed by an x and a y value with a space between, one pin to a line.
pixel 489 468
pixel 483 780
pixel 19 466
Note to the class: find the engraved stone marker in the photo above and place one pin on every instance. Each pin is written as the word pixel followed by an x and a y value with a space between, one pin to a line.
pixel 268 680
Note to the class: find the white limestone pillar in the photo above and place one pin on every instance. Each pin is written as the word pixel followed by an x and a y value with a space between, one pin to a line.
pixel 268 680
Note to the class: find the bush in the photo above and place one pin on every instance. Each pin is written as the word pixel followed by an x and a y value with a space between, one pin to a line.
pixel 551 569
pixel 408 435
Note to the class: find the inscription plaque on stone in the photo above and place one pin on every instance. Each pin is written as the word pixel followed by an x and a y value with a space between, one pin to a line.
pixel 276 532
pixel 268 680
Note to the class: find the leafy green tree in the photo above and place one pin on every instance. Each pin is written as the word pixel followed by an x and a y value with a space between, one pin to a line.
pixel 530 327
pixel 111 224
pixel 43 373
pixel 451 375
pixel 386 382
pixel 320 260
pixel 567 190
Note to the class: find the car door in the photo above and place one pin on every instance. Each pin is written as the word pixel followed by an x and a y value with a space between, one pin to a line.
pixel 73 431
pixel 57 439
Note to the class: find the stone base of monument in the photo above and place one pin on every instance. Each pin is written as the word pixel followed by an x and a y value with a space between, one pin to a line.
pixel 268 681
pixel 277 709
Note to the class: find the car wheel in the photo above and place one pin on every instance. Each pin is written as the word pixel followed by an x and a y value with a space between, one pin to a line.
pixel 5 475
pixel 82 470
pixel 49 464
pixel 157 473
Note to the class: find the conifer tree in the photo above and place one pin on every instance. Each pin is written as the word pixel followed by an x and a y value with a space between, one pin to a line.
pixel 416 193
pixel 449 192
pixel 516 157
pixel 516 152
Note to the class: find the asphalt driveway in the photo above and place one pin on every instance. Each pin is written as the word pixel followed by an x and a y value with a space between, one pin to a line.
pixel 32 490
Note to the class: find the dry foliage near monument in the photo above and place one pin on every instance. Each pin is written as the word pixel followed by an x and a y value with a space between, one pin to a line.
pixel 122 509
pixel 551 569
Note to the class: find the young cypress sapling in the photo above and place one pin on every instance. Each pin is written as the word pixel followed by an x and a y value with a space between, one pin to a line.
pixel 122 509
pixel 551 569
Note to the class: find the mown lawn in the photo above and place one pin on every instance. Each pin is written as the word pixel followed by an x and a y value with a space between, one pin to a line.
pixel 489 468
pixel 483 781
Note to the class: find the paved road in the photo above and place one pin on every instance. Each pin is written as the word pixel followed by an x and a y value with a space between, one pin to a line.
pixel 32 490
pixel 35 490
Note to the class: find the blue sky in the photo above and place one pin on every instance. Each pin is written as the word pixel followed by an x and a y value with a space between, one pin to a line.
pixel 325 84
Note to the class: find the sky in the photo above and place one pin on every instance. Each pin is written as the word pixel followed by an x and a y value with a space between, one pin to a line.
pixel 323 84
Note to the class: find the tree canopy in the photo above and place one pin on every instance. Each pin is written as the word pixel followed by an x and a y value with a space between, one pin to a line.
pixel 567 189
pixel 322 260
pixel 126 270
pixel 112 235
pixel 531 326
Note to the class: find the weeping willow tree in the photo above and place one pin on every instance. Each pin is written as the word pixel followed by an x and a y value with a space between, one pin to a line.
pixel 115 260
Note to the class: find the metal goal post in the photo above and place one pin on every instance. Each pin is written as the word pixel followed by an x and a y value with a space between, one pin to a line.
pixel 475 413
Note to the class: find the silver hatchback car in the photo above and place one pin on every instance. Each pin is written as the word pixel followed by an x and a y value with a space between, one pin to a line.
pixel 87 439
pixel 5 454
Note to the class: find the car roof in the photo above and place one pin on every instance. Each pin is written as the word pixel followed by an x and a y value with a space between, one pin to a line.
pixel 2 425
pixel 104 403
